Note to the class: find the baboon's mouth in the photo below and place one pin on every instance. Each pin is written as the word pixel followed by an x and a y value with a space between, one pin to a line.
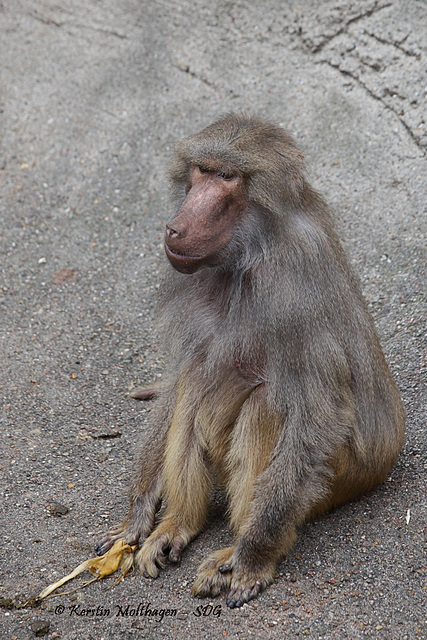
pixel 180 254
pixel 182 261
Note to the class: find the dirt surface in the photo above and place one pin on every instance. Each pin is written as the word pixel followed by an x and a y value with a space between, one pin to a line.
pixel 93 96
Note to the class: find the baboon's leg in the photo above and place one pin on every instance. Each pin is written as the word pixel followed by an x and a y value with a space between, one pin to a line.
pixel 254 436
pixel 197 442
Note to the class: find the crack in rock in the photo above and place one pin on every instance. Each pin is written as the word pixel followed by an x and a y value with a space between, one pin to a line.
pixel 373 95
pixel 385 59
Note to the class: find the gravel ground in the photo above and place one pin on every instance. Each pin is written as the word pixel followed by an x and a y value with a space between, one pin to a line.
pixel 93 96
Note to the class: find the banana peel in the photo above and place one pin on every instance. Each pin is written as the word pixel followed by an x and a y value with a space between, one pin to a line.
pixel 120 556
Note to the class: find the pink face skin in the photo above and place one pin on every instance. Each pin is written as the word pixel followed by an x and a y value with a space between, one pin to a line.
pixel 205 224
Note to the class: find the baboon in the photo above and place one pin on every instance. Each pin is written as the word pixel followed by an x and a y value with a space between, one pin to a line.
pixel 277 388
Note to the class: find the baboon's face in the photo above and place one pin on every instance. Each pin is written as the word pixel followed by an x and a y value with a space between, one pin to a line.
pixel 197 236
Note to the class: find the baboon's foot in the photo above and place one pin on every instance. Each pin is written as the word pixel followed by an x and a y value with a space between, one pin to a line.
pixel 222 571
pixel 209 580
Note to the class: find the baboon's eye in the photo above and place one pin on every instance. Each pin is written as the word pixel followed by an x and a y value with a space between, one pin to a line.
pixel 203 169
pixel 225 175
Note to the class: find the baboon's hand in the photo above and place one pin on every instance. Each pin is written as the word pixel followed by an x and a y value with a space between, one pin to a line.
pixel 111 537
pixel 165 543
